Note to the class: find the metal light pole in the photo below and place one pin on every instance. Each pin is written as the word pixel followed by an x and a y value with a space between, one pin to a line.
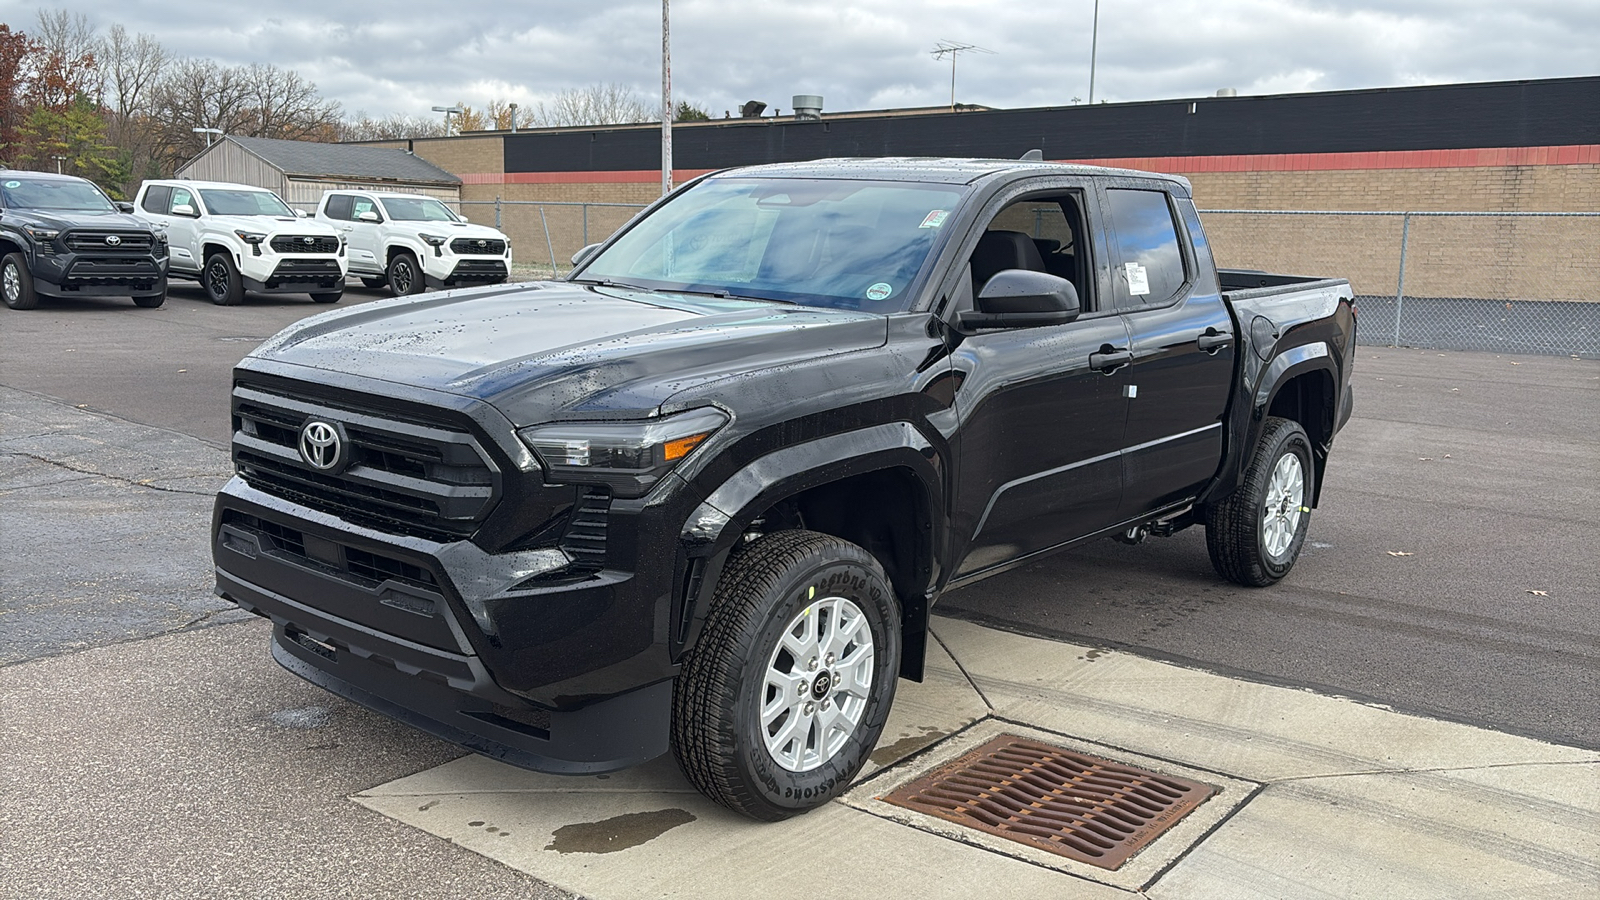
pixel 59 160
pixel 448 112
pixel 666 99
pixel 1094 48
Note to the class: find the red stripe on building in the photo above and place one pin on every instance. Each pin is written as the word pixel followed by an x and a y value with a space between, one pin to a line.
pixel 1482 157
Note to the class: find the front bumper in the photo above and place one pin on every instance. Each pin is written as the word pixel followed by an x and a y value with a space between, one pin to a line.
pixel 277 274
pixel 459 271
pixel 99 275
pixel 565 680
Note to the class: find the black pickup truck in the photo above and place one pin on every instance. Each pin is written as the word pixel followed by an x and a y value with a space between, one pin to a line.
pixel 60 236
pixel 703 493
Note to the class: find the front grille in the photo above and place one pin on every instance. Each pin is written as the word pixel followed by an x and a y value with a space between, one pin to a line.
pixel 304 243
pixel 403 477
pixel 474 269
pixel 113 267
pixel 95 241
pixel 358 566
pixel 306 268
pixel 478 247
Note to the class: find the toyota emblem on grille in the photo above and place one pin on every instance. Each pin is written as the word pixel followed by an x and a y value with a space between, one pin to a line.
pixel 322 445
pixel 483 243
pixel 308 239
pixel 113 240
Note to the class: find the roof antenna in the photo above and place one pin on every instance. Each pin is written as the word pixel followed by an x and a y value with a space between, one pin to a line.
pixel 1034 155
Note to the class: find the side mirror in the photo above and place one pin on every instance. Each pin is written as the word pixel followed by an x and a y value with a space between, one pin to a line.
pixel 368 216
pixel 184 209
pixel 123 206
pixel 301 214
pixel 1021 298
pixel 583 255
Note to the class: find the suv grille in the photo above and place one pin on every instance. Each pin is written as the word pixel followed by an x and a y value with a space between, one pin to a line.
pixel 96 241
pixel 304 243
pixel 478 247
pixel 425 480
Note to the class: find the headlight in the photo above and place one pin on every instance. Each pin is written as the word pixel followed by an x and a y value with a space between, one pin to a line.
pixel 250 237
pixel 41 234
pixel 630 457
pixel 434 241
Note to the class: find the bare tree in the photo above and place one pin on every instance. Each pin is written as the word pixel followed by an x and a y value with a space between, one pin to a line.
pixel 389 128
pixel 67 66
pixel 598 104
pixel 253 101
pixel 132 66
pixel 282 104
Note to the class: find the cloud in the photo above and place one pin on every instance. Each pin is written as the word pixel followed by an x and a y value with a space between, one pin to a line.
pixel 404 56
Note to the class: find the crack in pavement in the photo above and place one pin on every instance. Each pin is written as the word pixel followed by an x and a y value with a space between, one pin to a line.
pixel 122 478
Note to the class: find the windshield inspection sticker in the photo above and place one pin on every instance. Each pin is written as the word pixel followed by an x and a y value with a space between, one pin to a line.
pixel 935 219
pixel 13 184
pixel 879 291
pixel 1138 282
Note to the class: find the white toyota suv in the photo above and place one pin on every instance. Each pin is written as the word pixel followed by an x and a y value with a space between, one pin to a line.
pixel 411 242
pixel 234 238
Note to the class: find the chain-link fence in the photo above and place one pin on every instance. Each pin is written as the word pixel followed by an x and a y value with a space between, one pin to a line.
pixel 1512 282
pixel 545 234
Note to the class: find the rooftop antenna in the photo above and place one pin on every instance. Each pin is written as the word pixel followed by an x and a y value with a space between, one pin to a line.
pixel 954 49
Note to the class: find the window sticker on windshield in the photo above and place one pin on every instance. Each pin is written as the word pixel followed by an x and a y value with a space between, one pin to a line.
pixel 935 219
pixel 879 291
pixel 1138 281
pixel 13 184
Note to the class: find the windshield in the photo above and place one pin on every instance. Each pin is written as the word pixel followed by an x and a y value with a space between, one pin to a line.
pixel 841 244
pixel 44 193
pixel 418 209
pixel 244 203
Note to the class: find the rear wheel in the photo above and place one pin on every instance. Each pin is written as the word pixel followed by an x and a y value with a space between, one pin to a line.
pixel 405 276
pixel 16 282
pixel 221 280
pixel 1255 535
pixel 779 703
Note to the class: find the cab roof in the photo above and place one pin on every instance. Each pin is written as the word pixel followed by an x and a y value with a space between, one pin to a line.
pixel 934 170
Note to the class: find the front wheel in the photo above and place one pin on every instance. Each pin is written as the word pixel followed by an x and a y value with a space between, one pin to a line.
pixel 221 280
pixel 1255 535
pixel 405 276
pixel 374 283
pixel 784 696
pixel 329 297
pixel 153 301
pixel 16 282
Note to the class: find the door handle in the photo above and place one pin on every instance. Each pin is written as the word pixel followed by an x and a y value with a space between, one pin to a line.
pixel 1109 360
pixel 1210 341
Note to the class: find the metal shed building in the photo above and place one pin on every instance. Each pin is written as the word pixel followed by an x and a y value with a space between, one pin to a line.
pixel 299 171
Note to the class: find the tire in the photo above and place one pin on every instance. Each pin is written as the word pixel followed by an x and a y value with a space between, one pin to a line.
pixel 374 283
pixel 221 280
pixel 780 599
pixel 329 297
pixel 405 276
pixel 1255 535
pixel 16 282
pixel 152 302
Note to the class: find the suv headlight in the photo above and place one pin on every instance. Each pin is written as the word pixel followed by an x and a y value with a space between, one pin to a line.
pixel 435 241
pixel 41 234
pixel 253 238
pixel 630 457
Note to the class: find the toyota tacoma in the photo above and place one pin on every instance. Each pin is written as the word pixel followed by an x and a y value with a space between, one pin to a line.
pixel 703 493
pixel 61 236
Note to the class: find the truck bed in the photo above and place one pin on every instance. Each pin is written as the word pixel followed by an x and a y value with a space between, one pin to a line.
pixel 1252 284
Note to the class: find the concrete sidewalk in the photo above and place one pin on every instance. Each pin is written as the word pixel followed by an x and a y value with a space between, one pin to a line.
pixel 1318 797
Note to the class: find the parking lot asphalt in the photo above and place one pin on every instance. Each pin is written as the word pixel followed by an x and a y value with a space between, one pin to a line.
pixel 155 750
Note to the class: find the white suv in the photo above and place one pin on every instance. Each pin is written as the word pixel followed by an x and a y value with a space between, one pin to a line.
pixel 234 238
pixel 411 242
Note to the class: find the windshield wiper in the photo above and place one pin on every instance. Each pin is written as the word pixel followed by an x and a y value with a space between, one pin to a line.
pixel 719 293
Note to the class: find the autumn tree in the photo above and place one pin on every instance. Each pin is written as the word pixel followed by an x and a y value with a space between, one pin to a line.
pixel 598 104
pixel 18 53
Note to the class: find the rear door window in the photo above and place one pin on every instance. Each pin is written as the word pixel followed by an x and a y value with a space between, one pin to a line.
pixel 338 207
pixel 1152 267
pixel 156 199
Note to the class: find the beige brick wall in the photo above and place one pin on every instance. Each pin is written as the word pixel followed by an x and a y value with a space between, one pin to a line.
pixel 463 155
pixel 522 223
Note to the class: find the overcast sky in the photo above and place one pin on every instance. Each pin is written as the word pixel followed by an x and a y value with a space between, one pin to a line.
pixel 404 56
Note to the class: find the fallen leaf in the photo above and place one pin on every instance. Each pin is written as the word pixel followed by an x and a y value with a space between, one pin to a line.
pixel 1516 364
pixel 1399 553
pixel 1447 456
pixel 1455 390
pixel 83 406
pixel 181 371
pixel 1424 459
pixel 1540 593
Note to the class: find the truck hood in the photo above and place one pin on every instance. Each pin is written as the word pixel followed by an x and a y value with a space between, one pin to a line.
pixel 272 225
pixel 64 219
pixel 552 350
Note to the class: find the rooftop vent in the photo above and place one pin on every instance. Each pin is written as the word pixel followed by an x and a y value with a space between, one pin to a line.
pixel 807 106
pixel 1227 92
pixel 752 109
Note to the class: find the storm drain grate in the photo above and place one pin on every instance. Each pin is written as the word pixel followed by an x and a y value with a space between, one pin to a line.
pixel 1082 807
